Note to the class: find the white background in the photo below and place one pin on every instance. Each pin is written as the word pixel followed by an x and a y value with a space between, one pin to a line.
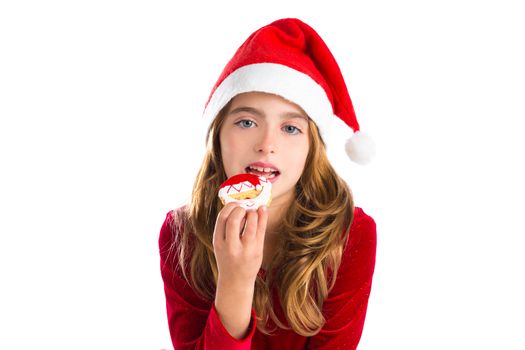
pixel 100 137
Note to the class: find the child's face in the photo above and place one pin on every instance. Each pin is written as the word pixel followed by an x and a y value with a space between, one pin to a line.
pixel 266 135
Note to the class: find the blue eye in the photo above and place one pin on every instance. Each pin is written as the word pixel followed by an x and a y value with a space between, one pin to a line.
pixel 292 130
pixel 245 123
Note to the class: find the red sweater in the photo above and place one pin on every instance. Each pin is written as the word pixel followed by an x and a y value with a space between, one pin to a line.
pixel 195 324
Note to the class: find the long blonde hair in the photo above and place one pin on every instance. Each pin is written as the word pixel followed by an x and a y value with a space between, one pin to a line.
pixel 312 236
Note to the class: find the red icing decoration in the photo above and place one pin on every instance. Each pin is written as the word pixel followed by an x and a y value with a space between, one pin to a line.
pixel 240 178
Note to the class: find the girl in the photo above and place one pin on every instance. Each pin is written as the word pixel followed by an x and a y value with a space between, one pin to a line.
pixel 295 275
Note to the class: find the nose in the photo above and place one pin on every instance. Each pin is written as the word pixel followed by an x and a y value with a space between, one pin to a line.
pixel 266 142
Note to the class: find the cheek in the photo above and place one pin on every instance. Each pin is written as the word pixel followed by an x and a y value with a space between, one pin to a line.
pixel 302 149
pixel 231 149
pixel 297 156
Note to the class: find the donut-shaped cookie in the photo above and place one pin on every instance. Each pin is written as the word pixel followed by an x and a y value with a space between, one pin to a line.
pixel 249 190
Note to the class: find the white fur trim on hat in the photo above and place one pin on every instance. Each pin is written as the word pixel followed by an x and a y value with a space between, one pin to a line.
pixel 278 79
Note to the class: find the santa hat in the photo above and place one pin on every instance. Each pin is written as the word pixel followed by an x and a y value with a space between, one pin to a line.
pixel 288 58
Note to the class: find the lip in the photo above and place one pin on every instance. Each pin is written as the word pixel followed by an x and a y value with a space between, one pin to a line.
pixel 267 165
pixel 273 179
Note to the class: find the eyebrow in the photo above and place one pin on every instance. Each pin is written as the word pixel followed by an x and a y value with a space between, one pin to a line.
pixel 259 113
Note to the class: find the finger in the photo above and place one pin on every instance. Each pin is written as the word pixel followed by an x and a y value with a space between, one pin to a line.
pixel 220 223
pixel 262 221
pixel 233 224
pixel 242 225
pixel 251 225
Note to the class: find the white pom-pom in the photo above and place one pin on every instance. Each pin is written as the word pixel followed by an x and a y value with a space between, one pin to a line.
pixel 360 148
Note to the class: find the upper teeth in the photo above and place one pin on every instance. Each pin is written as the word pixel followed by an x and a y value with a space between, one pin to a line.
pixel 265 170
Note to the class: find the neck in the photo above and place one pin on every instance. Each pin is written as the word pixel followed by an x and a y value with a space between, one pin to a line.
pixel 275 216
pixel 276 212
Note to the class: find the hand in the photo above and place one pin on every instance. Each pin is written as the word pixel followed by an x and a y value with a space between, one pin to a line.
pixel 238 242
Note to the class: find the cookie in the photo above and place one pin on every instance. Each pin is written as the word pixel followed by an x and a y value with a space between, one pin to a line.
pixel 249 190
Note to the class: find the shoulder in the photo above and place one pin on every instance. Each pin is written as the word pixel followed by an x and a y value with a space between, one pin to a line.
pixel 363 227
pixel 359 254
pixel 173 222
pixel 170 231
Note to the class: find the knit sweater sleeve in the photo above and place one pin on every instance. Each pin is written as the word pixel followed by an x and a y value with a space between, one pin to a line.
pixel 346 305
pixel 193 321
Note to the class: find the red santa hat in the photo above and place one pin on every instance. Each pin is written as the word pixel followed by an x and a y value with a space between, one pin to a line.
pixel 288 58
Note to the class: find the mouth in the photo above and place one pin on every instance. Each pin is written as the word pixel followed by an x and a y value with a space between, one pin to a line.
pixel 269 173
